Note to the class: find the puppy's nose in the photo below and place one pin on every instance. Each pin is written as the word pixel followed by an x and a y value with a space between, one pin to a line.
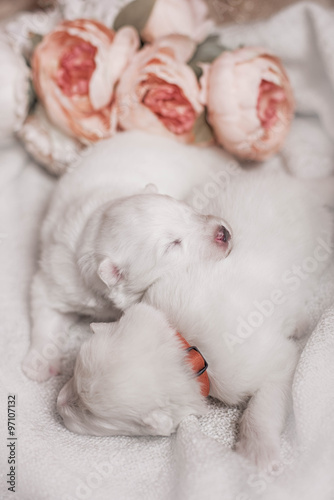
pixel 222 235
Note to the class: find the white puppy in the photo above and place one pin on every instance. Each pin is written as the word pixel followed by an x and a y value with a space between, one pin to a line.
pixel 103 244
pixel 242 313
pixel 132 377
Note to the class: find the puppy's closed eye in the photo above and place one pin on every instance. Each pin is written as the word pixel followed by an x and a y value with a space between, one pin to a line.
pixel 173 244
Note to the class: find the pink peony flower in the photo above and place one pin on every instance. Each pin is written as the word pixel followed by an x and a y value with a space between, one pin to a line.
pixel 184 17
pixel 159 93
pixel 250 102
pixel 75 70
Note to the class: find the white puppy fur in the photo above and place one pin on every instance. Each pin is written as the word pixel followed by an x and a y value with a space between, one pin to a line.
pixel 242 313
pixel 131 378
pixel 103 244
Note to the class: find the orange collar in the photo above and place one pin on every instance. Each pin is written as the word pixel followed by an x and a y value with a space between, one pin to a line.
pixel 198 364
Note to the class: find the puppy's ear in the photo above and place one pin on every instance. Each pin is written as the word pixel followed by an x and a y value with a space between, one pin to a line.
pixel 151 189
pixel 109 273
pixel 159 422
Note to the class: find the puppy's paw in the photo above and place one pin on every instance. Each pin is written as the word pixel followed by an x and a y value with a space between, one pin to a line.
pixel 37 368
pixel 264 453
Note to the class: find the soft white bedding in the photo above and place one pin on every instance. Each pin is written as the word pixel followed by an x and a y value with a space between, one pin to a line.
pixel 197 462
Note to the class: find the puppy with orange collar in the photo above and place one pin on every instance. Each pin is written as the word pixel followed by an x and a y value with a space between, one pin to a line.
pixel 137 376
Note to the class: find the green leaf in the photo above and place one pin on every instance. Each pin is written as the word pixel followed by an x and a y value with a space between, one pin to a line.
pixel 135 14
pixel 32 98
pixel 206 52
pixel 202 131
pixel 35 39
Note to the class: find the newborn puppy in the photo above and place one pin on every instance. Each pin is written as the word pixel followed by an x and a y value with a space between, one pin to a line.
pixel 242 313
pixel 132 377
pixel 103 244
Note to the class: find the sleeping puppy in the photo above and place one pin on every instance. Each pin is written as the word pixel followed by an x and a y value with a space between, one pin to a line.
pixel 243 313
pixel 131 377
pixel 106 239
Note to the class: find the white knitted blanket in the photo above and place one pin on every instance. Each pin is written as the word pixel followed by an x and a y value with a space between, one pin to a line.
pixel 198 461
